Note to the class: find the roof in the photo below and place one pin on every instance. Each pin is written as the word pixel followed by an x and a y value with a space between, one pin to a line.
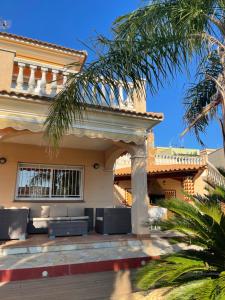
pixel 152 115
pixel 162 169
pixel 11 36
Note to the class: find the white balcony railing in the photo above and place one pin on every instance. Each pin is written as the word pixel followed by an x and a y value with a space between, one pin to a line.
pixel 213 175
pixel 47 80
pixel 165 159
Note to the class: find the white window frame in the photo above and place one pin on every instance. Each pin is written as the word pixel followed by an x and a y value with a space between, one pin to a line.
pixel 51 167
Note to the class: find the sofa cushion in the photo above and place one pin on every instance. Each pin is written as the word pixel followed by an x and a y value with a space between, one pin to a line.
pixel 40 211
pixel 58 211
pixel 79 218
pixel 39 223
pixel 35 212
pixel 59 219
pixel 51 219
pixel 45 211
pixel 73 211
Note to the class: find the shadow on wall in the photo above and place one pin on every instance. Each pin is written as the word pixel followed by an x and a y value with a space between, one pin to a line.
pixel 120 195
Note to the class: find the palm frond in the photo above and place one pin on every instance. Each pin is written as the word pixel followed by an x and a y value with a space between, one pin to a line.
pixel 153 43
pixel 202 223
pixel 202 98
pixel 167 271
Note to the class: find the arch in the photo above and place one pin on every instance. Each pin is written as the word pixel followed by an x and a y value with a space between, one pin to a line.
pixel 115 152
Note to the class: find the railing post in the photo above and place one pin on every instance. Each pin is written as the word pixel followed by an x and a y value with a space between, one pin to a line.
pixel 65 76
pixel 54 82
pixel 43 81
pixel 121 98
pixel 19 81
pixel 111 96
pixel 103 96
pixel 32 82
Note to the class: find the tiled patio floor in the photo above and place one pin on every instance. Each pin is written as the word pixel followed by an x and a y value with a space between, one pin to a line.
pixel 39 257
pixel 42 239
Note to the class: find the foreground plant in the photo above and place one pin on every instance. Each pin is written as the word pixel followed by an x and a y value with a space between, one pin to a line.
pixel 192 274
pixel 155 42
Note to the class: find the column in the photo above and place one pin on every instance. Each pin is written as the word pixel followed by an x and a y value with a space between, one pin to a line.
pixel 140 204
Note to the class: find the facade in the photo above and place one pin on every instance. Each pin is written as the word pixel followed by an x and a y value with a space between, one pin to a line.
pixel 171 172
pixel 217 158
pixel 80 173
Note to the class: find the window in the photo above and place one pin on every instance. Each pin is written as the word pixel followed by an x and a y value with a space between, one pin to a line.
pixel 154 198
pixel 47 182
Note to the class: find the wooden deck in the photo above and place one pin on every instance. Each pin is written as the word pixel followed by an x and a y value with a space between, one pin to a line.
pixel 95 286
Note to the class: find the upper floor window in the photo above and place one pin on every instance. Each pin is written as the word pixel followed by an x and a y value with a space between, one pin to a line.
pixel 49 182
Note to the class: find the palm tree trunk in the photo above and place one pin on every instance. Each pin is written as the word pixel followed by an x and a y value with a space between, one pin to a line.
pixel 222 121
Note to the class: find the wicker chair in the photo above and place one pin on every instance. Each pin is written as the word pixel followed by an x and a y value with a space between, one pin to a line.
pixel 113 220
pixel 13 224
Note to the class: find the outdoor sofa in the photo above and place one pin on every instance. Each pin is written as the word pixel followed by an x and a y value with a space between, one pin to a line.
pixel 13 223
pixel 41 216
pixel 113 220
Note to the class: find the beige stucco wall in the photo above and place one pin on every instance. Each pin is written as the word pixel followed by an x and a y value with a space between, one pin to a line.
pixel 6 70
pixel 120 191
pixel 200 184
pixel 155 186
pixel 217 158
pixel 98 184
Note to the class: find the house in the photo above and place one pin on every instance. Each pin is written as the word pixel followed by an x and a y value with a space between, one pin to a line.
pixel 80 173
pixel 171 172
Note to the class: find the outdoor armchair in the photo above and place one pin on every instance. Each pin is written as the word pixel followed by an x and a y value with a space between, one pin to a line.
pixel 113 220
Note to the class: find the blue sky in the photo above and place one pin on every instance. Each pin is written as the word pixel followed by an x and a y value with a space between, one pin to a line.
pixel 69 22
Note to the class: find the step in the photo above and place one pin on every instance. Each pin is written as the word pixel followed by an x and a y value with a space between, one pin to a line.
pixel 14 250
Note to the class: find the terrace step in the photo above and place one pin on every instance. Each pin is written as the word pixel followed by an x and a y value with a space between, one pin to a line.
pixel 14 250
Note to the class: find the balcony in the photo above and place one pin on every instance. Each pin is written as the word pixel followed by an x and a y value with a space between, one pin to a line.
pixel 46 80
pixel 38 68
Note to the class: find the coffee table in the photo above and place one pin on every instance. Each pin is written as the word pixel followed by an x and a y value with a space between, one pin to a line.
pixel 67 228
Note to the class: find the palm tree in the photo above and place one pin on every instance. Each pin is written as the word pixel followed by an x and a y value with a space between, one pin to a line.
pixel 155 42
pixel 191 274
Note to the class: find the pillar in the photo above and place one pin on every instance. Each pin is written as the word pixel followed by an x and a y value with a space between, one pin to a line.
pixel 139 210
pixel 6 70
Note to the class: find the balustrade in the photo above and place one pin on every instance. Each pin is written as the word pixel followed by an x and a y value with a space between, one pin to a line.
pixel 165 159
pixel 45 80
pixel 37 79
pixel 214 176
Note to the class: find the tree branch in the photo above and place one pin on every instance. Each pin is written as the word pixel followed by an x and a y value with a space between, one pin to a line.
pixel 218 23
pixel 210 38
pixel 204 112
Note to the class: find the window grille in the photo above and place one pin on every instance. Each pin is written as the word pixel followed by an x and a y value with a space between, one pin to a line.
pixel 170 194
pixel 47 182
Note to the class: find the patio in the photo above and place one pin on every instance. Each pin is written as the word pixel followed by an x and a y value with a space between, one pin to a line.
pixel 41 243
